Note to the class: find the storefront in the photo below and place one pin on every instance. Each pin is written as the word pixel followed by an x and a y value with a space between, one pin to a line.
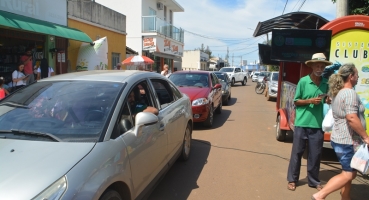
pixel 162 51
pixel 40 26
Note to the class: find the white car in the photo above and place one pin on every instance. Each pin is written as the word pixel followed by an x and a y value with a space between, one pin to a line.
pixel 255 76
pixel 235 74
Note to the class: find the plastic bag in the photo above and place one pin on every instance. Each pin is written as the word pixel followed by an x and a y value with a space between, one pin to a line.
pixel 360 160
pixel 328 121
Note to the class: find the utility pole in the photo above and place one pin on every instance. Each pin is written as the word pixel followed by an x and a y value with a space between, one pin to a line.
pixel 232 59
pixel 341 8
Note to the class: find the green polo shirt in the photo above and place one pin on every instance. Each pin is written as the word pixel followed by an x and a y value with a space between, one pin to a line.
pixel 311 115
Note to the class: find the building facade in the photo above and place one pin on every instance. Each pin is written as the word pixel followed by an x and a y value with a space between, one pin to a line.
pixel 39 26
pixel 97 21
pixel 151 30
pixel 195 60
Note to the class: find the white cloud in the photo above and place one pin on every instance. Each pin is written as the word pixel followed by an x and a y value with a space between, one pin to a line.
pixel 206 18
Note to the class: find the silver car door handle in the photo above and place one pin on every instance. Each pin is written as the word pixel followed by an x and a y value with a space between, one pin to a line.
pixel 161 128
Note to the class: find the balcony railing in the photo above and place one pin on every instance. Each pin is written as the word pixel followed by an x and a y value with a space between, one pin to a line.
pixel 152 24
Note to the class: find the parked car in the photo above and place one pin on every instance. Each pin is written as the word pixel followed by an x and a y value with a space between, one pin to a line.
pixel 82 135
pixel 205 92
pixel 255 76
pixel 272 86
pixel 226 87
pixel 261 76
pixel 235 74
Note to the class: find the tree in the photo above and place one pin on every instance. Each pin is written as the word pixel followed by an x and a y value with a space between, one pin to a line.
pixel 273 67
pixel 357 7
pixel 205 50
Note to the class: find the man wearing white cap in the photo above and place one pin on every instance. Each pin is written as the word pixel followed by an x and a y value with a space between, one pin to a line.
pixel 310 94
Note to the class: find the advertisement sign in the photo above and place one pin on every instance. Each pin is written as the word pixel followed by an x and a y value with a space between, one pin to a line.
pixel 161 45
pixel 149 44
pixel 297 45
pixel 54 11
pixel 352 46
pixel 265 54
pixel 93 57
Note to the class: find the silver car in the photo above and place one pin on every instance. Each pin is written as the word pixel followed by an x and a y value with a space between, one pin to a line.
pixel 255 76
pixel 262 75
pixel 272 85
pixel 83 136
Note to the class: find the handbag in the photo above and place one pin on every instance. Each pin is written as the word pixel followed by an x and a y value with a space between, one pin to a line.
pixel 328 121
pixel 360 160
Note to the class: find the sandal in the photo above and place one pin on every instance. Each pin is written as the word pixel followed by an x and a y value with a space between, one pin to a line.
pixel 291 186
pixel 319 187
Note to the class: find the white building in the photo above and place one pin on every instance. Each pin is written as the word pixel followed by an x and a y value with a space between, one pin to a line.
pixel 195 60
pixel 151 30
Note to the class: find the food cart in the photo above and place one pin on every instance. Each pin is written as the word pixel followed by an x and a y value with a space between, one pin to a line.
pixel 349 43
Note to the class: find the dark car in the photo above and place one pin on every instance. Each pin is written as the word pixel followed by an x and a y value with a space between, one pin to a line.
pixel 226 86
pixel 205 92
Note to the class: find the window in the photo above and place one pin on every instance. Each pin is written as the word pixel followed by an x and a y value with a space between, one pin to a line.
pixel 171 17
pixel 237 70
pixel 163 92
pixel 176 93
pixel 115 59
pixel 152 12
pixel 214 79
pixel 137 100
pixel 165 13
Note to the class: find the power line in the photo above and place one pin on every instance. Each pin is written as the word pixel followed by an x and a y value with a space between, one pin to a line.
pixel 295 5
pixel 284 7
pixel 301 5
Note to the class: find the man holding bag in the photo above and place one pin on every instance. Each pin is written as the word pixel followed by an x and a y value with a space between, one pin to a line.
pixel 309 97
pixel 348 131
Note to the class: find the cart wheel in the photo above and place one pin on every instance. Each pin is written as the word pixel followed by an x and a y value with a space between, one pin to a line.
pixel 280 134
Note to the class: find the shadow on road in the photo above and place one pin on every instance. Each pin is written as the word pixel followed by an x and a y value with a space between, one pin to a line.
pixel 231 102
pixel 182 178
pixel 219 120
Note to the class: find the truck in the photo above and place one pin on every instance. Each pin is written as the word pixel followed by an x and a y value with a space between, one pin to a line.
pixel 235 74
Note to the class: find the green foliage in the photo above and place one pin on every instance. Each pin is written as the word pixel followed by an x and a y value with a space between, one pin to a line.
pixel 205 50
pixel 273 67
pixel 357 7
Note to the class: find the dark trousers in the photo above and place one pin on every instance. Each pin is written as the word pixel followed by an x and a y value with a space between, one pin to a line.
pixel 314 138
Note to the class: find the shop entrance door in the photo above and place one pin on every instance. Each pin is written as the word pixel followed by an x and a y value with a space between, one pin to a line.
pixel 61 65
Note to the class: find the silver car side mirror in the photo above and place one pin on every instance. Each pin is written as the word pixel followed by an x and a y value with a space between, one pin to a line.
pixel 144 119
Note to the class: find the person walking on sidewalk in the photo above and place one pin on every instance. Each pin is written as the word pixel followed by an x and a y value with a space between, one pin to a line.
pixel 308 123
pixel 349 128
pixel 28 68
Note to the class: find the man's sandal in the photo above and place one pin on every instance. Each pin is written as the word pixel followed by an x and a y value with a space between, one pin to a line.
pixel 291 186
pixel 319 187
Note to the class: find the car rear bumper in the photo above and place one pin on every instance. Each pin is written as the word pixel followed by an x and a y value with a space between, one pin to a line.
pixel 200 113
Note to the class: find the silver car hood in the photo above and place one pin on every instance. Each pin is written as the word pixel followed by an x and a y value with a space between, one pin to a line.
pixel 29 167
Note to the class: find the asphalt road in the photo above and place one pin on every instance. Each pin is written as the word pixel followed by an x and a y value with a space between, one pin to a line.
pixel 239 158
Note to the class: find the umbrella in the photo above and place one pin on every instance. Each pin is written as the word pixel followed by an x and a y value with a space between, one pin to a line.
pixel 137 60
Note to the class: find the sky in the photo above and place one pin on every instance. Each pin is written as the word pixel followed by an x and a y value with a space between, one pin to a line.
pixel 231 23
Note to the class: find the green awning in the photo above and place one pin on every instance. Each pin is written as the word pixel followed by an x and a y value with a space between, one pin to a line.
pixel 38 26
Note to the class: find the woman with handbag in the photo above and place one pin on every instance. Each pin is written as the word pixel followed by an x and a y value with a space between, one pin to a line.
pixel 348 131
pixel 19 79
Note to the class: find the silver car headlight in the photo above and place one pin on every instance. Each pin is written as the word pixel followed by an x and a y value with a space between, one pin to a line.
pixel 222 91
pixel 199 102
pixel 54 191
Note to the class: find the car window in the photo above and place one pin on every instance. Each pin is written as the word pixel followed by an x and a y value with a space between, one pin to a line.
pixel 163 92
pixel 176 93
pixel 256 73
pixel 226 69
pixel 138 99
pixel 275 76
pixel 237 70
pixel 190 79
pixel 214 80
pixel 221 77
pixel 73 111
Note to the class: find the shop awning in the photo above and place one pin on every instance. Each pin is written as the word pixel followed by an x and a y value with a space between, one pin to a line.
pixel 38 26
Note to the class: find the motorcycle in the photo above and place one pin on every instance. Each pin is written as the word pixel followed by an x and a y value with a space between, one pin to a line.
pixel 260 86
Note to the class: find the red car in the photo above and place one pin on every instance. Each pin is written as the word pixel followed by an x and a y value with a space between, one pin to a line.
pixel 205 92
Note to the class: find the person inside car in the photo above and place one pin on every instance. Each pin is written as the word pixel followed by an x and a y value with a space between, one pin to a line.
pixel 203 82
pixel 139 106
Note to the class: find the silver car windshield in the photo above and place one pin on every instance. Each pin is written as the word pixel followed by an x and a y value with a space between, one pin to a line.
pixel 275 76
pixel 72 111
pixel 226 70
